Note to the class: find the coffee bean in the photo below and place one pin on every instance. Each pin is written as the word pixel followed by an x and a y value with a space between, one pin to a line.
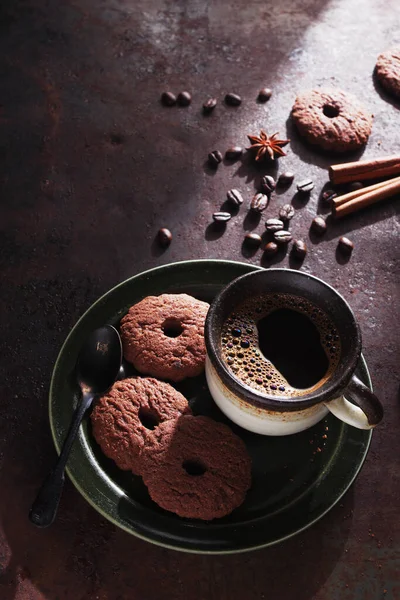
pixel 345 245
pixel 268 184
pixel 168 98
pixel 233 99
pixel 252 239
pixel 318 225
pixel 164 237
pixel 286 212
pixel 235 197
pixel 209 105
pixel 222 217
pixel 273 225
pixel 264 95
pixel 328 196
pixel 282 236
pixel 234 152
pixel 306 186
pixel 355 185
pixel 214 158
pixel 285 179
pixel 184 98
pixel 299 249
pixel 271 248
pixel 259 202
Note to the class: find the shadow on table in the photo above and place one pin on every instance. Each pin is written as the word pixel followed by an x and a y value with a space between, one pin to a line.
pixel 251 171
pixel 82 551
pixel 315 156
pixel 294 570
pixel 345 226
pixel 390 98
pixel 55 562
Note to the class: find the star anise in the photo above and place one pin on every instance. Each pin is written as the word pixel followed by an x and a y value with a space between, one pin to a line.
pixel 267 146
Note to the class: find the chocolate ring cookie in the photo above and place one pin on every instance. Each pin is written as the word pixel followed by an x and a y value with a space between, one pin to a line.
pixel 196 468
pixel 388 70
pixel 123 418
pixel 332 120
pixel 163 336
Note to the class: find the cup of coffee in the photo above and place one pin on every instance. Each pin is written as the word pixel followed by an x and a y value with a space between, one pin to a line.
pixel 282 349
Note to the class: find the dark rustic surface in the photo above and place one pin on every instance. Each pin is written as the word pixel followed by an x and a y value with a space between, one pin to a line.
pixel 91 165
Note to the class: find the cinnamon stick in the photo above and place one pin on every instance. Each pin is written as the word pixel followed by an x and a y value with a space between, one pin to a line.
pixel 339 200
pixel 365 169
pixel 368 197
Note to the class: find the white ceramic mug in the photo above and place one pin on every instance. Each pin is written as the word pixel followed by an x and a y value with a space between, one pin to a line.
pixel 271 414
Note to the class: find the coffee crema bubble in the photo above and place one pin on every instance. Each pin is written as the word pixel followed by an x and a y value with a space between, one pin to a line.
pixel 303 342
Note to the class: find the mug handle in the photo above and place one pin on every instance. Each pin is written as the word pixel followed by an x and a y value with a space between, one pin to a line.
pixel 368 411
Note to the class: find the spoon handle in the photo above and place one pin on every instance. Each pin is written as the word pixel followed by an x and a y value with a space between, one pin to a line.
pixel 44 507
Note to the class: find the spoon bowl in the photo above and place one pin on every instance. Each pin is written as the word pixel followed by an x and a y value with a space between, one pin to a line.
pixel 99 360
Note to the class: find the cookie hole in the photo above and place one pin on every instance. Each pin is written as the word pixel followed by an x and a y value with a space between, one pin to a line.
pixel 172 328
pixel 147 418
pixel 330 111
pixel 194 467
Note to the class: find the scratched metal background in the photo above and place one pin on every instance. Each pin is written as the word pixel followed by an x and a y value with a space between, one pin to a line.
pixel 90 167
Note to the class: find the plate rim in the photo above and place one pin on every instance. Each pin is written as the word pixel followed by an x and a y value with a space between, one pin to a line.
pixel 120 524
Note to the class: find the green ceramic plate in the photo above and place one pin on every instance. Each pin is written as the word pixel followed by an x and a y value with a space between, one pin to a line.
pixel 296 479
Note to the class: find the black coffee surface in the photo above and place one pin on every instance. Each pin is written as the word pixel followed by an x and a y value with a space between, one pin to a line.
pixel 280 344
pixel 292 342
